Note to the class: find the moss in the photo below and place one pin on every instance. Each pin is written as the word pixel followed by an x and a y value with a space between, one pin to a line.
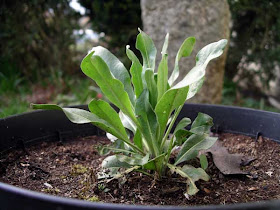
pixel 78 169
pixel 51 190
pixel 93 199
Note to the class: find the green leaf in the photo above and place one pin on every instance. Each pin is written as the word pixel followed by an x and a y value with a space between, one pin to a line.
pixel 197 73
pixel 75 115
pixel 112 162
pixel 170 101
pixel 133 161
pixel 192 174
pixel 105 150
pixel 94 67
pixel 187 88
pixel 202 124
pixel 165 45
pixel 179 132
pixel 117 69
pixel 81 116
pixel 148 50
pixel 152 164
pixel 127 122
pixel 184 51
pixel 108 173
pixel 152 87
pixel 182 124
pixel 136 72
pixel 104 111
pixel 192 146
pixel 203 161
pixel 148 121
pixel 137 139
pixel 181 136
pixel 162 76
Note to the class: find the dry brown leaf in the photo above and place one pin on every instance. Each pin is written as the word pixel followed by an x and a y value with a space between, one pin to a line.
pixel 228 164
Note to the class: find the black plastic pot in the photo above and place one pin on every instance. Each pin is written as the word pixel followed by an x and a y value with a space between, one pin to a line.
pixel 30 128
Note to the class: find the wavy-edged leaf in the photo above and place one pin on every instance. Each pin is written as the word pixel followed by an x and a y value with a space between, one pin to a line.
pixel 192 146
pixel 203 57
pixel 152 87
pixel 148 50
pixel 104 111
pixel 187 88
pixel 96 68
pixel 147 119
pixel 136 72
pixel 117 69
pixel 202 124
pixel 192 174
pixel 184 51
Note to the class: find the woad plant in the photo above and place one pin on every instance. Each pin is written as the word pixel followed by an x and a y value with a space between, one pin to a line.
pixel 148 104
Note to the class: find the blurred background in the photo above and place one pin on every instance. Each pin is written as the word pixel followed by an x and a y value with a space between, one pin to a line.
pixel 42 43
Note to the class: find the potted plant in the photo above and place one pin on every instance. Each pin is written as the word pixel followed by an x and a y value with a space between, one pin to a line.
pixel 148 110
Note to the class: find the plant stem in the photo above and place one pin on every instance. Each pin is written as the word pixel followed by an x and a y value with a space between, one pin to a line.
pixel 170 126
pixel 133 146
pixel 170 146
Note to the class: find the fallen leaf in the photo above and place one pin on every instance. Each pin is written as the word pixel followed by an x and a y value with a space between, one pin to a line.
pixel 228 164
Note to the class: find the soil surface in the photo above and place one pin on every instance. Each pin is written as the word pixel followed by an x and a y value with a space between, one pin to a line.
pixel 69 169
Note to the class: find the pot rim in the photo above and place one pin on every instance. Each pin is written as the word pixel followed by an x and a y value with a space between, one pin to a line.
pixel 193 109
pixel 88 204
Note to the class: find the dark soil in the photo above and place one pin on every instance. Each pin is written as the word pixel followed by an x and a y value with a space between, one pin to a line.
pixel 69 169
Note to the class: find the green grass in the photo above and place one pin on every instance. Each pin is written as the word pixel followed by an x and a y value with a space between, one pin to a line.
pixel 15 105
pixel 72 91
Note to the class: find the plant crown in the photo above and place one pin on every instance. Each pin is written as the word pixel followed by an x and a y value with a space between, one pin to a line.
pixel 149 103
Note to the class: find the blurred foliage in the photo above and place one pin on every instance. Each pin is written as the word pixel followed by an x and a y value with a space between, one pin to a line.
pixel 36 39
pixel 71 91
pixel 232 97
pixel 119 21
pixel 255 38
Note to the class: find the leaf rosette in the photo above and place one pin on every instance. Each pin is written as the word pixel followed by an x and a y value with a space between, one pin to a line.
pixel 148 104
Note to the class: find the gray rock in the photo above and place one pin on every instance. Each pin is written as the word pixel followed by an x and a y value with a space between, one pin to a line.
pixel 207 20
